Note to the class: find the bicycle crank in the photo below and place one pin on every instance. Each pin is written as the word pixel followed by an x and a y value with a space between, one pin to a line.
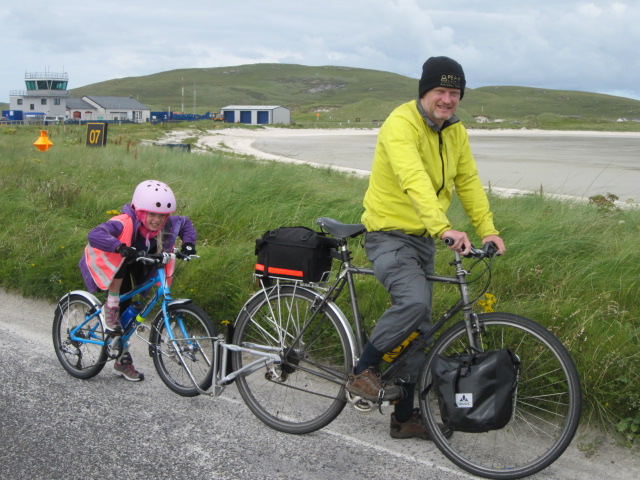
pixel 113 346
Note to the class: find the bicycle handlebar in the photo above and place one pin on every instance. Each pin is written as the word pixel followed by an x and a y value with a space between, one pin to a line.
pixel 488 250
pixel 163 258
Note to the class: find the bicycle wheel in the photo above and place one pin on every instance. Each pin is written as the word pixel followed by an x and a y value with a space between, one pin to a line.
pixel 85 355
pixel 188 361
pixel 547 402
pixel 306 391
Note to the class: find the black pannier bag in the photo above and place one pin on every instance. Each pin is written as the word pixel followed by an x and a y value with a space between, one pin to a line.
pixel 294 253
pixel 476 391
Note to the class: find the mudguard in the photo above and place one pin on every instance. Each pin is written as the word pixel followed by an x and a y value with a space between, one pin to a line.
pixel 88 296
pixel 179 301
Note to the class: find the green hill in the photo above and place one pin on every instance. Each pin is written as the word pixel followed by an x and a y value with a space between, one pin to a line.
pixel 343 94
pixel 519 102
pixel 297 87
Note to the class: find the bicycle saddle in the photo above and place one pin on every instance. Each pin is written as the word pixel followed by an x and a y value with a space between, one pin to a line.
pixel 339 229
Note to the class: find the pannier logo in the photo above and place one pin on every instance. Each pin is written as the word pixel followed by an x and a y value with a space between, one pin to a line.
pixel 464 400
pixel 451 81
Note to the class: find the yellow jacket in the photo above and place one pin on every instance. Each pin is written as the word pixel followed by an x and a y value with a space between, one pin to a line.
pixel 415 169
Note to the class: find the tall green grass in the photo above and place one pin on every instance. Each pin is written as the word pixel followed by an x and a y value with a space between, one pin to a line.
pixel 572 267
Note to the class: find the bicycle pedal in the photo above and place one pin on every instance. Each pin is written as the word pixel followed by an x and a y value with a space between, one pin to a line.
pixel 113 335
pixel 360 404
pixel 114 346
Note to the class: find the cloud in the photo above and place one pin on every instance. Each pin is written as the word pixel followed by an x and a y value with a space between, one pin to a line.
pixel 568 45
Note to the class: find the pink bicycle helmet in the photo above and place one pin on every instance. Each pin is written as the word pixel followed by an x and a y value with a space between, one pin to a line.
pixel 154 196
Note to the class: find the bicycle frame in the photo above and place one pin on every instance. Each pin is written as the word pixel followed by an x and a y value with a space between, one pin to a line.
pixel 162 291
pixel 345 278
pixel 162 294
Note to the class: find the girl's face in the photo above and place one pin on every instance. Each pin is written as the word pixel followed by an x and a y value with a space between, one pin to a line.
pixel 155 220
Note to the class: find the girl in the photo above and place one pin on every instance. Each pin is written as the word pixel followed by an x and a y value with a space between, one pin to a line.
pixel 109 261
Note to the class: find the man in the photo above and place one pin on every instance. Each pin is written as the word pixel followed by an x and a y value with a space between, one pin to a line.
pixel 422 153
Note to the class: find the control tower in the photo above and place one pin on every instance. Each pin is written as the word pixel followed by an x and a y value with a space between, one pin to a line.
pixel 45 97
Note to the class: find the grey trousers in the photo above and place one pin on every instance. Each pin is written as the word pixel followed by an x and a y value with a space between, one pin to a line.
pixel 401 263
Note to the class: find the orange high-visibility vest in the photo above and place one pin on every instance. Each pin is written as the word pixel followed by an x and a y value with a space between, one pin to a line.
pixel 102 265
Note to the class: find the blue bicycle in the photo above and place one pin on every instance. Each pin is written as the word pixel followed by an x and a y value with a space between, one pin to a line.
pixel 181 338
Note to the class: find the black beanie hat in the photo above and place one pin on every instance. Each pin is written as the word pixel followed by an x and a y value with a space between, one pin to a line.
pixel 441 72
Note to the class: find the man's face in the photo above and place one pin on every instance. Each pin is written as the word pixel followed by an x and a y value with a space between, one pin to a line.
pixel 441 103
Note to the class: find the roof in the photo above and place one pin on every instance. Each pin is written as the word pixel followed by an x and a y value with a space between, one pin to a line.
pixel 124 103
pixel 79 104
pixel 253 107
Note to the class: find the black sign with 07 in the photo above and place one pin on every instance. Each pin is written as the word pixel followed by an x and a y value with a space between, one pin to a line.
pixel 96 134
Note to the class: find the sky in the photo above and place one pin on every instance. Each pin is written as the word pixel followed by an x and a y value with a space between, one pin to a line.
pixel 559 44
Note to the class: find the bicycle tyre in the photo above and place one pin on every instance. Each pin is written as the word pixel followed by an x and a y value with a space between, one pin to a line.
pixel 547 403
pixel 82 360
pixel 294 396
pixel 196 335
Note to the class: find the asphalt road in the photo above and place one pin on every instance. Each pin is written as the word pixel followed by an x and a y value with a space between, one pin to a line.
pixel 578 164
pixel 53 426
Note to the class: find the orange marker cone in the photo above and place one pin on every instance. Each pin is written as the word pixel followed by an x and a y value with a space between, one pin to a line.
pixel 43 143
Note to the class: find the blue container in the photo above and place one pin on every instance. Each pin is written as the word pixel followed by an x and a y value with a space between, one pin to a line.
pixel 130 314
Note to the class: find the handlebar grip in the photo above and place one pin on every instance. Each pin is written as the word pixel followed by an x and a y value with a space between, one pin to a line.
pixel 490 249
pixel 449 241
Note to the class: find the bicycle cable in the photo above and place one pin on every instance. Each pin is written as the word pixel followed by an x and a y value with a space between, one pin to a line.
pixel 487 272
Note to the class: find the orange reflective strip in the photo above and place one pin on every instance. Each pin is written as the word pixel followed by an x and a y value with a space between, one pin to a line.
pixel 284 271
pixel 280 271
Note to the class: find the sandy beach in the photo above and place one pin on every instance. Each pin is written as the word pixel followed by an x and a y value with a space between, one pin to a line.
pixel 567 164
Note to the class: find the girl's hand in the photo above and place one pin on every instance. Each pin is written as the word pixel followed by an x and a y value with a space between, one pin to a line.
pixel 127 252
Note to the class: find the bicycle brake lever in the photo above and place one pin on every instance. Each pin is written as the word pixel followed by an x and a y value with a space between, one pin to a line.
pixel 490 249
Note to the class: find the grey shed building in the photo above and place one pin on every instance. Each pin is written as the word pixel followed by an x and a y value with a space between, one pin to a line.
pixel 256 114
pixel 95 107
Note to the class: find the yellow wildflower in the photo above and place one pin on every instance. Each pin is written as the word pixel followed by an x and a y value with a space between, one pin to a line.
pixel 487 303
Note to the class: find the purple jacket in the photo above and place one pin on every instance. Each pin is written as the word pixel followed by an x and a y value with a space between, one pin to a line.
pixel 105 237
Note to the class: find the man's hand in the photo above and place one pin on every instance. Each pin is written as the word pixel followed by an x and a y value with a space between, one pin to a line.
pixel 497 241
pixel 460 241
